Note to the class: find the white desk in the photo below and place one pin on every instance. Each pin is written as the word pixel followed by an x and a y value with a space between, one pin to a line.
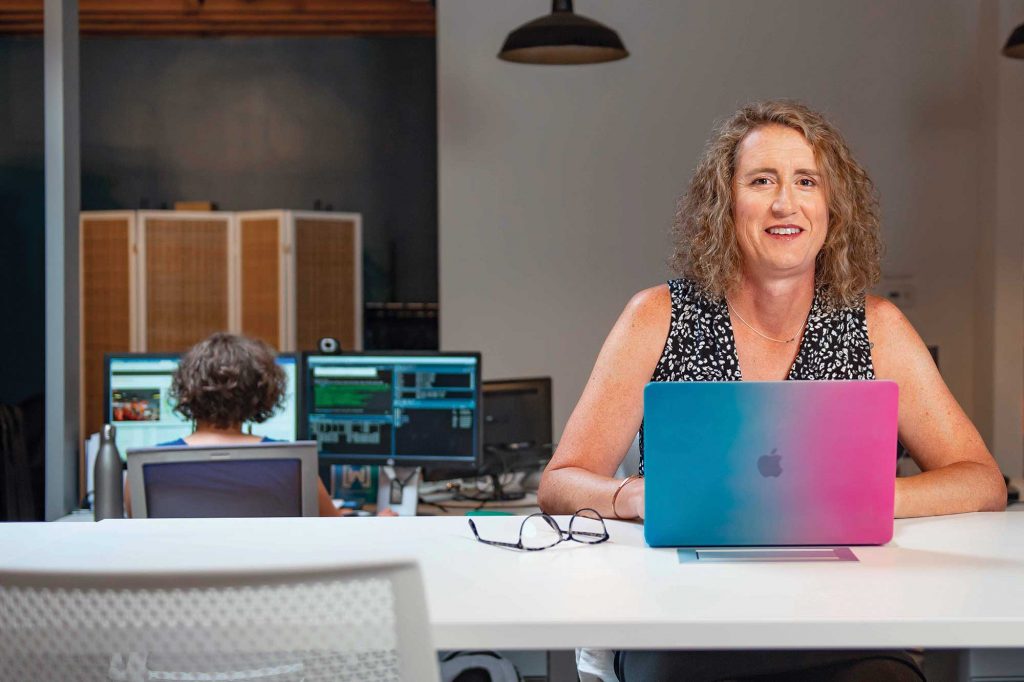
pixel 947 582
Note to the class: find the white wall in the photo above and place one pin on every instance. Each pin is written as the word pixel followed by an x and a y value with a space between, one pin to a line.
pixel 558 184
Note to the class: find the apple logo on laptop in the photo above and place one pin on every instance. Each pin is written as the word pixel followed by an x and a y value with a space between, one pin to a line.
pixel 769 465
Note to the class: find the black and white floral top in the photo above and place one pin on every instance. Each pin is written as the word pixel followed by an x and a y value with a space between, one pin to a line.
pixel 701 346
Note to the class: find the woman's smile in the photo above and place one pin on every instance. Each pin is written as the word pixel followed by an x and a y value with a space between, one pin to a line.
pixel 784 233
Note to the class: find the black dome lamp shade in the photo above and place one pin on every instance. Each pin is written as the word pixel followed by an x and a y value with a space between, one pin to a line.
pixel 562 37
pixel 1015 45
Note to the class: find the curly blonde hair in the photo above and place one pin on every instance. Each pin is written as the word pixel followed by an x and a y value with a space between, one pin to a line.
pixel 705 247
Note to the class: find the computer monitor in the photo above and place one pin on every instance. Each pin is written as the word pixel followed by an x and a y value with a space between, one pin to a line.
pixel 402 409
pixel 517 414
pixel 284 423
pixel 226 481
pixel 137 401
pixel 517 434
pixel 517 431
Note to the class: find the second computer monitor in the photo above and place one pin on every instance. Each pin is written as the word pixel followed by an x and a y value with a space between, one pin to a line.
pixel 403 409
pixel 517 414
pixel 137 401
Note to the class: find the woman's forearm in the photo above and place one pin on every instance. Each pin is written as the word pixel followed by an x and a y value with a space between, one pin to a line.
pixel 569 489
pixel 324 503
pixel 953 489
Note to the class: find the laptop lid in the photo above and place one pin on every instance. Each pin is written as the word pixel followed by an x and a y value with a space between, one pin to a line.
pixel 224 481
pixel 769 463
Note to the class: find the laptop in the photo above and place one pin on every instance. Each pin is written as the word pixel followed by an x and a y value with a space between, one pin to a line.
pixel 777 463
pixel 224 481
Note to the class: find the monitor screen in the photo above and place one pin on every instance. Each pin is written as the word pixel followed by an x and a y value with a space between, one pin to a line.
pixel 282 425
pixel 517 414
pixel 232 489
pixel 406 409
pixel 137 401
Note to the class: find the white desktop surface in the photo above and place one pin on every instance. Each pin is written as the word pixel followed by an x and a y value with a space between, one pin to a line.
pixel 944 582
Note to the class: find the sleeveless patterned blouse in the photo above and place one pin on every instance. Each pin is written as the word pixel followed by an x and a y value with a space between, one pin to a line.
pixel 701 346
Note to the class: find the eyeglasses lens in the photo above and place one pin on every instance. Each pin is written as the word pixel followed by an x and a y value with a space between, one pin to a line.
pixel 538 533
pixel 586 526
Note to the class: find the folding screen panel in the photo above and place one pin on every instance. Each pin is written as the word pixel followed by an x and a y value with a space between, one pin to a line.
pixel 328 279
pixel 262 293
pixel 301 277
pixel 107 303
pixel 186 277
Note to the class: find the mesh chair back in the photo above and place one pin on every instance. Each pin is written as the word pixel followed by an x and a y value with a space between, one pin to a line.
pixel 353 623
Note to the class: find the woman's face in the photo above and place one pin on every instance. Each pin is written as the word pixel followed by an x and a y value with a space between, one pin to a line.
pixel 779 203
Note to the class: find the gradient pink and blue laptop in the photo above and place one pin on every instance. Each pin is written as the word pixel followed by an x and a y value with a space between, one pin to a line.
pixel 783 463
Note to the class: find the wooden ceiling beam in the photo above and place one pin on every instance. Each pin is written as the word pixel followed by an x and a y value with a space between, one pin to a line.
pixel 232 17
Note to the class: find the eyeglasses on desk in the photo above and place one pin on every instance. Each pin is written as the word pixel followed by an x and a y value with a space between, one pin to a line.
pixel 541 531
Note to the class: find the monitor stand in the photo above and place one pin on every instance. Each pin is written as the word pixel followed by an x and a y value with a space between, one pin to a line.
pixel 398 489
pixel 499 493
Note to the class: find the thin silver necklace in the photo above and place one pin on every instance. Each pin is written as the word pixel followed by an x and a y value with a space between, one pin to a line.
pixel 751 328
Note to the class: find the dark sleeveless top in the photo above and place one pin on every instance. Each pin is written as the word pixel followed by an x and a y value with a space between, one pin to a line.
pixel 701 346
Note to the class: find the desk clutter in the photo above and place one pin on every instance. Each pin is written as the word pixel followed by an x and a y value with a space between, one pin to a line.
pixel 379 422
pixel 356 487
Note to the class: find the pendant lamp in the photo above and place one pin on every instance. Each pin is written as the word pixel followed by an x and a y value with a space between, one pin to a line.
pixel 562 37
pixel 1015 45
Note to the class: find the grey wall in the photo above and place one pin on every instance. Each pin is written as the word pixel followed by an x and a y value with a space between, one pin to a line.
pixel 558 184
pixel 246 123
pixel 273 123
pixel 21 219
pixel 999 312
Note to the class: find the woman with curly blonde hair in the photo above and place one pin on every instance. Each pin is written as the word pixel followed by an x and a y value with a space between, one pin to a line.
pixel 776 244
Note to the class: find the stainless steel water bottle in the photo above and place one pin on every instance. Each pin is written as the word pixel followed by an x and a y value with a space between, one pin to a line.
pixel 108 498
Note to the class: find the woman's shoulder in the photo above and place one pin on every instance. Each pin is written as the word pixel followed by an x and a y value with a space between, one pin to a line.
pixel 885 321
pixel 638 336
pixel 658 295
pixel 654 309
pixel 896 346
pixel 679 291
pixel 650 305
pixel 646 318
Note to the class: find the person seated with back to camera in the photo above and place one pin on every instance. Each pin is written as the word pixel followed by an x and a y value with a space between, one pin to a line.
pixel 223 382
pixel 777 244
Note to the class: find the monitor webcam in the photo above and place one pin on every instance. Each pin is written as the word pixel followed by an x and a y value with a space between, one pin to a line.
pixel 328 345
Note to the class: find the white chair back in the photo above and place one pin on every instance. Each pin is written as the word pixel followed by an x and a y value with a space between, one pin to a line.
pixel 358 623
